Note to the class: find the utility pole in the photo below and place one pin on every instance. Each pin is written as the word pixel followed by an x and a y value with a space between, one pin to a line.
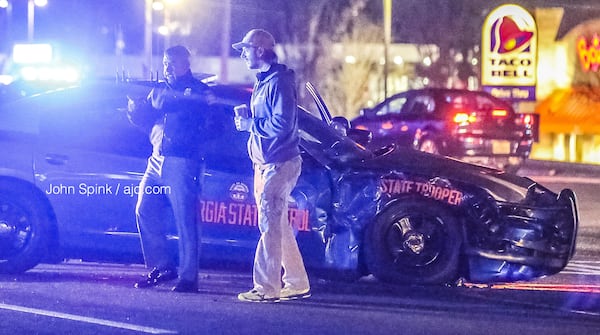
pixel 387 29
pixel 148 36
pixel 225 42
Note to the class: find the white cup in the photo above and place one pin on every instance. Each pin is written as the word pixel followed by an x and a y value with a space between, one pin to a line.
pixel 242 111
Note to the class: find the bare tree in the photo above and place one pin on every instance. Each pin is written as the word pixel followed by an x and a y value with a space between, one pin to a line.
pixel 338 47
pixel 352 65
pixel 454 26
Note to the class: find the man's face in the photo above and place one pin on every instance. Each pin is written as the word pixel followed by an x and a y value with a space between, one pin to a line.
pixel 250 56
pixel 174 67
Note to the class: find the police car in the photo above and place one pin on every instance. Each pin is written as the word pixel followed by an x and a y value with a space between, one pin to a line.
pixel 71 163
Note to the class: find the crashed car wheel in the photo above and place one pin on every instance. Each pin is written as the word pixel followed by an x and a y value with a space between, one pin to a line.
pixel 415 241
pixel 23 231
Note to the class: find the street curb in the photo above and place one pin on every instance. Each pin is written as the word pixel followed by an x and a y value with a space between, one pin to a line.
pixel 553 168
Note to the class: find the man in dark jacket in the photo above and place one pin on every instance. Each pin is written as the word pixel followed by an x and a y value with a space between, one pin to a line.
pixel 173 113
pixel 273 147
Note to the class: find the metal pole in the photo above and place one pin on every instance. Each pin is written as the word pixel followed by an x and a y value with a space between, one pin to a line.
pixel 8 34
pixel 30 19
pixel 148 35
pixel 387 29
pixel 167 24
pixel 225 42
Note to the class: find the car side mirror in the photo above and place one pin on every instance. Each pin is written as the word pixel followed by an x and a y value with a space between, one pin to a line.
pixel 360 136
pixel 340 124
pixel 365 111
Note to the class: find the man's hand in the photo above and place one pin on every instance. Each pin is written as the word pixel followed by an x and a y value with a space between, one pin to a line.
pixel 158 97
pixel 134 103
pixel 242 123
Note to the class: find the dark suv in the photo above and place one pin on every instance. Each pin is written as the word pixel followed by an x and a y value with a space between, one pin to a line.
pixel 470 125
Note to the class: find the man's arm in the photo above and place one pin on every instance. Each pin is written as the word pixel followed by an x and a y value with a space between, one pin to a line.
pixel 140 111
pixel 282 97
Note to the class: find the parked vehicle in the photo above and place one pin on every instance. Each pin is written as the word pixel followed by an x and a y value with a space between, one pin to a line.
pixel 71 163
pixel 472 126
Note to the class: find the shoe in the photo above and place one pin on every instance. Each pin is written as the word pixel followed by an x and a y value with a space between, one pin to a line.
pixel 188 286
pixel 288 293
pixel 255 296
pixel 156 277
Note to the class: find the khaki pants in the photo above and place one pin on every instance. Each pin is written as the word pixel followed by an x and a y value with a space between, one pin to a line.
pixel 277 247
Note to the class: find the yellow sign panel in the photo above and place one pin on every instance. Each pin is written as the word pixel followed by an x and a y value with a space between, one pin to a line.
pixel 509 53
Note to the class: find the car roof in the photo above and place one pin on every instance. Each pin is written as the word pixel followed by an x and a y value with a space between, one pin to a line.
pixel 438 90
pixel 445 90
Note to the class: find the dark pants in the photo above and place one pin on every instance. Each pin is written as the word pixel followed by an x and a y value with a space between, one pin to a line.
pixel 169 192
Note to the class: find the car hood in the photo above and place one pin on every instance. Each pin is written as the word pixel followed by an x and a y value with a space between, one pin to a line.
pixel 339 152
pixel 502 185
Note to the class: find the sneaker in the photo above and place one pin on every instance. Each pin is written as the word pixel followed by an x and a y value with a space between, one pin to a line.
pixel 156 277
pixel 288 293
pixel 255 296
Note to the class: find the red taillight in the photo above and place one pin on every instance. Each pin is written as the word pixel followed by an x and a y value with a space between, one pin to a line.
pixel 361 127
pixel 499 113
pixel 525 120
pixel 462 117
pixel 387 125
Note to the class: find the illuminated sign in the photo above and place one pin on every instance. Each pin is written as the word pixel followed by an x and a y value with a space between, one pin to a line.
pixel 509 53
pixel 589 54
pixel 32 53
pixel 426 189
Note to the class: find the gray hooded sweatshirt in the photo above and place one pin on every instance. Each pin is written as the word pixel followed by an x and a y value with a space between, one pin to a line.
pixel 274 131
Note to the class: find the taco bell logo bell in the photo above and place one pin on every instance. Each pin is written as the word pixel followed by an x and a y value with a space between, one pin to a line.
pixel 509 53
pixel 507 37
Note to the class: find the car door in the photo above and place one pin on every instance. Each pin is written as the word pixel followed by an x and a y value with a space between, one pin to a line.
pixel 419 117
pixel 88 162
pixel 387 121
pixel 227 212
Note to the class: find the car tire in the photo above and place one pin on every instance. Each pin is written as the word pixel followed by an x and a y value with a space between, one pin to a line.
pixel 414 241
pixel 24 229
pixel 429 145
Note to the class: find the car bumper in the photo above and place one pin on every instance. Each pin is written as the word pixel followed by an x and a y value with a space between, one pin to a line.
pixel 477 146
pixel 530 239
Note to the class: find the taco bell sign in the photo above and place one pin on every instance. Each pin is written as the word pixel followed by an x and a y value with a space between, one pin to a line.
pixel 509 54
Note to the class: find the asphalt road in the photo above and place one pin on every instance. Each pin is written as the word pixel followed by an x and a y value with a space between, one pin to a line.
pixel 88 298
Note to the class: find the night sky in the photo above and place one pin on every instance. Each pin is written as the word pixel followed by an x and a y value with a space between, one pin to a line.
pixel 91 26
pixel 85 24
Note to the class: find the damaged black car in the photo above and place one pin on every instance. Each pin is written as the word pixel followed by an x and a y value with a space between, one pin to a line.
pixel 72 162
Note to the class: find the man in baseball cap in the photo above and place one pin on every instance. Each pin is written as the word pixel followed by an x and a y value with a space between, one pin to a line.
pixel 273 148
pixel 257 38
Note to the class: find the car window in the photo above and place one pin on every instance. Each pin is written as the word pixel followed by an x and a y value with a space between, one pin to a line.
pixel 224 147
pixel 394 106
pixel 99 125
pixel 457 101
pixel 13 118
pixel 422 105
pixel 486 103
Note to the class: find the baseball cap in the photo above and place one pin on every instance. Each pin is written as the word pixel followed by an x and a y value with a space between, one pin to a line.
pixel 258 38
